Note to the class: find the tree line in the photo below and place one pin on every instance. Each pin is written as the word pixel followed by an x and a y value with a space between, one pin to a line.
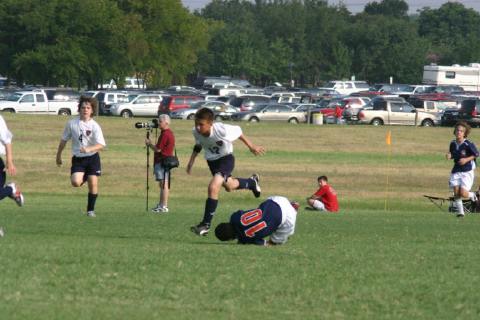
pixel 82 43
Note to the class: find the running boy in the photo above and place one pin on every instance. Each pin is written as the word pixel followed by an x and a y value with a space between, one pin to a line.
pixel 463 152
pixel 10 190
pixel 325 199
pixel 217 140
pixel 87 141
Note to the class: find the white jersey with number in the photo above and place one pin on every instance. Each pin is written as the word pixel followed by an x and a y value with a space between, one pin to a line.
pixel 5 136
pixel 83 134
pixel 289 218
pixel 219 143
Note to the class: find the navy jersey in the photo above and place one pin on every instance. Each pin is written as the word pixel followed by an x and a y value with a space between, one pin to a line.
pixel 253 225
pixel 463 150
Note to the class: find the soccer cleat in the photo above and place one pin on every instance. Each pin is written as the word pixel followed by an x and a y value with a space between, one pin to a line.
pixel 17 196
pixel 256 187
pixel 201 229
pixel 160 209
pixel 91 214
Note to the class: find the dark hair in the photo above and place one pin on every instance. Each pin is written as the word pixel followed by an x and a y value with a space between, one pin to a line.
pixel 93 102
pixel 225 232
pixel 204 114
pixel 465 125
pixel 322 178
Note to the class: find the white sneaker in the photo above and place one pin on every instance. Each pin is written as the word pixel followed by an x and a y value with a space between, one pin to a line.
pixel 2 232
pixel 91 214
pixel 160 209
pixel 17 195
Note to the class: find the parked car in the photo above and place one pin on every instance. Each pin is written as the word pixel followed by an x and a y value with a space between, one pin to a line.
pixel 107 98
pixel 142 105
pixel 36 101
pixel 269 112
pixel 352 105
pixel 395 112
pixel 175 102
pixel 346 87
pixel 469 111
pixel 247 102
pixel 432 106
pixel 189 113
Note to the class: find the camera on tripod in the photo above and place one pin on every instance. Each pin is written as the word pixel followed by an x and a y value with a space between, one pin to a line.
pixel 147 125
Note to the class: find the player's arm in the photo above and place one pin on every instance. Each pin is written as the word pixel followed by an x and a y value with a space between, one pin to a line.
pixel 61 146
pixel 95 148
pixel 196 150
pixel 256 150
pixel 11 170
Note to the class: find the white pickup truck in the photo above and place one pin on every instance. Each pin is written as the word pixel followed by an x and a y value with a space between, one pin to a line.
pixel 37 102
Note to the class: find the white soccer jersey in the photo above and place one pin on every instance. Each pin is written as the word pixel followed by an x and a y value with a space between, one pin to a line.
pixel 83 134
pixel 289 217
pixel 219 143
pixel 5 136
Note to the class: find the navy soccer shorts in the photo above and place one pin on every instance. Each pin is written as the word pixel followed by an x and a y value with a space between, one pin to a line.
pixel 223 166
pixel 89 165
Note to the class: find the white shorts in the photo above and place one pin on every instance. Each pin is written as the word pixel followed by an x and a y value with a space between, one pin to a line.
pixel 317 204
pixel 160 172
pixel 463 180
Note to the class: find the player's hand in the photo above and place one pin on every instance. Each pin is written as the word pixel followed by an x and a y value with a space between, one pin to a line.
pixel 83 150
pixel 448 156
pixel 257 150
pixel 463 161
pixel 59 161
pixel 147 142
pixel 189 168
pixel 11 170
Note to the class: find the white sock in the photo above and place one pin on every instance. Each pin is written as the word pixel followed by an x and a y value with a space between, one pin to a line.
pixel 472 196
pixel 459 205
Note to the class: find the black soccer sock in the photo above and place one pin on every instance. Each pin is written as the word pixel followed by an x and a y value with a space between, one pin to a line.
pixel 244 183
pixel 5 192
pixel 210 208
pixel 92 198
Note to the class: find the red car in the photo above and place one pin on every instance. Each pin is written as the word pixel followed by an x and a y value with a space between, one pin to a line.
pixel 172 103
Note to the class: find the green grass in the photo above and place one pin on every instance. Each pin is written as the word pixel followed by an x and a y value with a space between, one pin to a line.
pixel 408 262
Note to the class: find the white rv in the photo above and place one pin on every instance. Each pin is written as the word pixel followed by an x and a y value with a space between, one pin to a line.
pixel 468 77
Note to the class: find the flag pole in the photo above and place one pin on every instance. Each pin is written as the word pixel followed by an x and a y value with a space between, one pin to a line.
pixel 388 140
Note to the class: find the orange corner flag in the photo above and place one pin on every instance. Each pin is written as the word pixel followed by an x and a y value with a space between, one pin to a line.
pixel 388 138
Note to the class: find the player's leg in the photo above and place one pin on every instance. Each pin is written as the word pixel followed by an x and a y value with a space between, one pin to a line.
pixel 454 184
pixel 318 205
pixel 252 184
pixel 93 171
pixel 77 179
pixel 162 176
pixel 77 171
pixel 10 190
pixel 211 203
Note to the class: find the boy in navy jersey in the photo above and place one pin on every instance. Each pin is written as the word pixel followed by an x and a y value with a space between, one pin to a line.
pixel 217 141
pixel 275 217
pixel 463 152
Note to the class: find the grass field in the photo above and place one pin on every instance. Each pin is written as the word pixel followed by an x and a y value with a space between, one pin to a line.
pixel 410 261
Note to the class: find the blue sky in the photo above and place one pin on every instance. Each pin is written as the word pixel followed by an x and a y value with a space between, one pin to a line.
pixel 358 5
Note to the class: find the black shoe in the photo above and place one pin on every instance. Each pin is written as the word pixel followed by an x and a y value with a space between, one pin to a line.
pixel 256 187
pixel 201 229
pixel 310 208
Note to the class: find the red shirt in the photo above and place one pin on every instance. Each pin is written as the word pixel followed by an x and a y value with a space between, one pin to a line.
pixel 328 196
pixel 166 143
pixel 338 112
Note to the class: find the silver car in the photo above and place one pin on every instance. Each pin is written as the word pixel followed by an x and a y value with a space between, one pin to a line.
pixel 189 113
pixel 271 112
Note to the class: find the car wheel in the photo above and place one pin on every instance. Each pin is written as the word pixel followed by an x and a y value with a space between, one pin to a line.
pixel 253 119
pixel 427 123
pixel 377 122
pixel 191 116
pixel 63 112
pixel 293 120
pixel 126 114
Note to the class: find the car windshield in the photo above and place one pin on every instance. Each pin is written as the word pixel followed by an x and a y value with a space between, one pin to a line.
pixel 197 105
pixel 14 96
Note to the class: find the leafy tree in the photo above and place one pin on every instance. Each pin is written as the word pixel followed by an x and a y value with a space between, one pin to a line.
pixel 453 32
pixel 393 8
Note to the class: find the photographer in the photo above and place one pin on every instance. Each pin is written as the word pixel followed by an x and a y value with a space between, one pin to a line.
pixel 164 147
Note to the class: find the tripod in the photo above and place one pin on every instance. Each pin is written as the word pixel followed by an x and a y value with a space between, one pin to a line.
pixel 148 165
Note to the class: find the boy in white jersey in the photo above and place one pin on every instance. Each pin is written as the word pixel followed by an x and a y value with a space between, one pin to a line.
pixel 87 141
pixel 10 190
pixel 216 139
